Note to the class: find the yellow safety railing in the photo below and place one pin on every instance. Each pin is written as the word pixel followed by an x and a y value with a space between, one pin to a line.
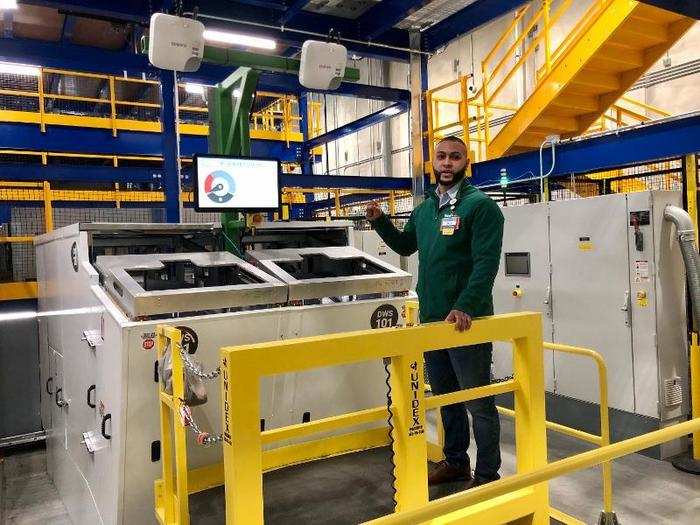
pixel 314 109
pixel 127 104
pixel 522 496
pixel 245 365
pixel 454 108
pixel 627 112
pixel 600 440
pixel 279 115
pixel 485 493
pixel 502 63
pixel 242 367
pixel 435 450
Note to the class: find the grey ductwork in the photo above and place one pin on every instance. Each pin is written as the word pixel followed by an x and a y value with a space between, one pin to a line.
pixel 686 240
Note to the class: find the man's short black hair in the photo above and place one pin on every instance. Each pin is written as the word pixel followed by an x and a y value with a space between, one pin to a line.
pixel 452 139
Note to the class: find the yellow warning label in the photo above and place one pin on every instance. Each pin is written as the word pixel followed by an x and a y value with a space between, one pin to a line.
pixel 585 246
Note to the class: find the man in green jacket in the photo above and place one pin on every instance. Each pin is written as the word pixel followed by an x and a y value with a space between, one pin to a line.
pixel 457 231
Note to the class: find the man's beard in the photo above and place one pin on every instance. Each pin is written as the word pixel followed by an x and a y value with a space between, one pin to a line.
pixel 457 177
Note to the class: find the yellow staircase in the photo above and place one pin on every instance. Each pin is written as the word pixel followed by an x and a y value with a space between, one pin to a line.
pixel 609 49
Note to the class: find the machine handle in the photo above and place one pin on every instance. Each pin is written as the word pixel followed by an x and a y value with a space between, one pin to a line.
pixel 49 380
pixel 105 418
pixel 626 307
pixel 91 388
pixel 56 395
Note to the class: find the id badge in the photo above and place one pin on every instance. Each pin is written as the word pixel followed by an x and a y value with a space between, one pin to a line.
pixel 449 224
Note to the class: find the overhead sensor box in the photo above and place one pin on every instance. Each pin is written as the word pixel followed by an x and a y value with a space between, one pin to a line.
pixel 322 65
pixel 175 43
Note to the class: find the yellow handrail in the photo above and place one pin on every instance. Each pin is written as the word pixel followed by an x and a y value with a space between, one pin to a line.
pixel 511 484
pixel 280 110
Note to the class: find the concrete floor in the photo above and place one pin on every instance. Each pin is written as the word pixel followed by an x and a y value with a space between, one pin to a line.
pixel 349 489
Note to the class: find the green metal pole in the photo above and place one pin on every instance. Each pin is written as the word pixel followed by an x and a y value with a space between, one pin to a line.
pixel 230 104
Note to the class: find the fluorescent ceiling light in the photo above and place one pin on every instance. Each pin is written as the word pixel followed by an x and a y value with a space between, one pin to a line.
pixel 224 37
pixel 395 110
pixel 8 4
pixel 19 69
pixel 194 89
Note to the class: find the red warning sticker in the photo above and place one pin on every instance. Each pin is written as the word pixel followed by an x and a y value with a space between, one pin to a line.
pixel 148 344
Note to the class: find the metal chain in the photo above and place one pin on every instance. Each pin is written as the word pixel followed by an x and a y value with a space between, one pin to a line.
pixel 196 369
pixel 502 379
pixel 203 438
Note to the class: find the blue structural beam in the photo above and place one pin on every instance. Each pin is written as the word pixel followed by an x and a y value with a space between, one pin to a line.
pixel 68 28
pixel 343 181
pixel 671 138
pixel 386 14
pixel 269 4
pixel 689 8
pixel 35 172
pixel 72 56
pixel 101 142
pixel 474 15
pixel 357 125
pixel 345 200
pixel 8 21
pixel 124 10
pixel 62 173
pixel 94 60
pixel 292 10
pixel 170 146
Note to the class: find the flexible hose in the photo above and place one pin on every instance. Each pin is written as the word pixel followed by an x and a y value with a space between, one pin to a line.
pixel 686 240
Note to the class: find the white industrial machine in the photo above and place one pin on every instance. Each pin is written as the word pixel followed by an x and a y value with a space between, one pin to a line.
pixel 322 65
pixel 370 242
pixel 175 43
pixel 608 274
pixel 105 287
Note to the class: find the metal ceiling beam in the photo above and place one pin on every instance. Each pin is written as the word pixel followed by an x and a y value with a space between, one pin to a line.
pixel 357 125
pixel 312 22
pixel 124 10
pixel 385 15
pixel 68 28
pixel 268 4
pixel 474 15
pixel 669 138
pixel 292 10
pixel 689 8
pixel 8 24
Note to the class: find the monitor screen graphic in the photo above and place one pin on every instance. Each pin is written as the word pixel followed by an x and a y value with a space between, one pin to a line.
pixel 224 183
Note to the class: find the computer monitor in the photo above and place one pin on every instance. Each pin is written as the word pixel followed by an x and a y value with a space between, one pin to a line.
pixel 224 183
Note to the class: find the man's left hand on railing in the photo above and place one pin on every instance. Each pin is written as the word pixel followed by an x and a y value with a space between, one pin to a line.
pixel 461 320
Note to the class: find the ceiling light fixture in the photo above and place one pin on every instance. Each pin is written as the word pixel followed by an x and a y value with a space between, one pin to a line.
pixel 224 37
pixel 8 4
pixel 19 69
pixel 194 89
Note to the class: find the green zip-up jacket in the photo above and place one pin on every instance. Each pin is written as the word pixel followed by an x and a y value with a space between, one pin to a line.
pixel 455 272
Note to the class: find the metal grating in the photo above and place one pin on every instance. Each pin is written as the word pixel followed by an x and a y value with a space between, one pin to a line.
pixel 24 221
pixel 341 8
pixel 436 11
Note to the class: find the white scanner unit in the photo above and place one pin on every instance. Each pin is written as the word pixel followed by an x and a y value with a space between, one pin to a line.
pixel 175 43
pixel 322 65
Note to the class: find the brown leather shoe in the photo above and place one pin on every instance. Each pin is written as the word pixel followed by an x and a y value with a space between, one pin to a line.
pixel 477 481
pixel 446 473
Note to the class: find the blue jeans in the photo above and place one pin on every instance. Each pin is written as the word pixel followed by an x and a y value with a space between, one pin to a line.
pixel 457 369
